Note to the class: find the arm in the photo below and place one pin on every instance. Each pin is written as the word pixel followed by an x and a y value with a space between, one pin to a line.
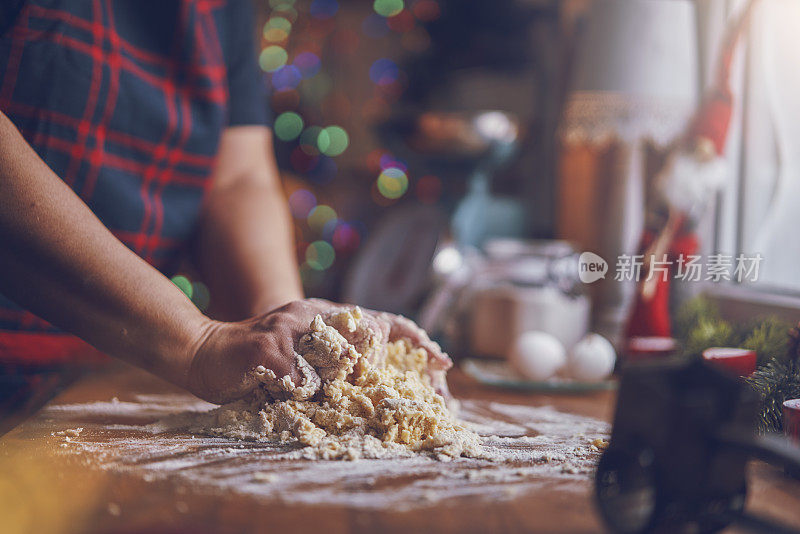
pixel 244 249
pixel 60 262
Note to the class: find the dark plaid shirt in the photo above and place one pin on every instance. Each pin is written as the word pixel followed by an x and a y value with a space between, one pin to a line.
pixel 126 100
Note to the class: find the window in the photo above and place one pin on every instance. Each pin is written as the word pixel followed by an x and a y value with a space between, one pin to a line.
pixel 759 210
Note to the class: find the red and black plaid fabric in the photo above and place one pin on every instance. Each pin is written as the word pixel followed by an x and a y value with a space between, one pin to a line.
pixel 126 100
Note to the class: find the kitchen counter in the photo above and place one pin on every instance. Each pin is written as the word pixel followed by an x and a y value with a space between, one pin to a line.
pixel 111 478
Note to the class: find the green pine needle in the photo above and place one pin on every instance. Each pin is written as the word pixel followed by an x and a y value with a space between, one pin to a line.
pixel 769 339
pixel 690 314
pixel 709 333
pixel 776 382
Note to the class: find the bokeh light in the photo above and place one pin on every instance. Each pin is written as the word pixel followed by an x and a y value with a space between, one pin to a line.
pixel 320 255
pixel 301 202
pixel 272 58
pixel 337 141
pixel 373 159
pixel 183 284
pixel 392 183
pixel 288 126
pixel 384 71
pixel 287 12
pixel 323 9
pixel 201 296
pixel 323 141
pixel 388 8
pixel 286 77
pixel 280 23
pixel 307 63
pixel 329 228
pixel 275 35
pixel 277 29
pixel 310 140
pixel 320 216
pixel 388 160
pixel 345 238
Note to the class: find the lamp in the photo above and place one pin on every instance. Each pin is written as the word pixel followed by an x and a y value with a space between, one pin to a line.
pixel 635 79
pixel 636 72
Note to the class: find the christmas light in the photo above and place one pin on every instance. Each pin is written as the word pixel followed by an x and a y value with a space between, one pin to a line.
pixel 320 255
pixel 388 8
pixel 338 140
pixel 272 58
pixel 319 216
pixel 392 183
pixel 288 126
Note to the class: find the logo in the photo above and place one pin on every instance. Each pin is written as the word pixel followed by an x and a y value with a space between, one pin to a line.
pixel 591 267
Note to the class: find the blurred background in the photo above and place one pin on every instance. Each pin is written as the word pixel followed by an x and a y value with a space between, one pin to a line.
pixel 451 159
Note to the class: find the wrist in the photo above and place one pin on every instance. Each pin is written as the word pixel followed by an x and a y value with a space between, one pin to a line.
pixel 179 344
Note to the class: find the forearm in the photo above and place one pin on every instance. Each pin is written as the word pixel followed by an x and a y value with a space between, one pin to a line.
pixel 59 261
pixel 246 255
pixel 245 247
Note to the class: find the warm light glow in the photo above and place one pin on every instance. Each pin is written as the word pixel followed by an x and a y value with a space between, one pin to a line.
pixel 320 216
pixel 272 58
pixel 301 202
pixel 392 183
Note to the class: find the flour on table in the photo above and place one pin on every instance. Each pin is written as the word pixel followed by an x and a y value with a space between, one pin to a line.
pixel 529 449
pixel 375 400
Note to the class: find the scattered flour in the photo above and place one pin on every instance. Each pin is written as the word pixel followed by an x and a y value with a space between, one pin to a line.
pixel 531 448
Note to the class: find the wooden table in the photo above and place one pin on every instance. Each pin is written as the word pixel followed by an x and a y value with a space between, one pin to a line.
pixel 42 490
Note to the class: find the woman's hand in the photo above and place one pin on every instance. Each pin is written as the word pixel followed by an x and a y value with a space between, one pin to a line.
pixel 223 368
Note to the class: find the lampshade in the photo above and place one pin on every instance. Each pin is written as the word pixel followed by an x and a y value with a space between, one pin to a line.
pixel 636 71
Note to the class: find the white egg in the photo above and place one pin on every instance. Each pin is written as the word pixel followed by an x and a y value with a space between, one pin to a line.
pixel 591 359
pixel 537 355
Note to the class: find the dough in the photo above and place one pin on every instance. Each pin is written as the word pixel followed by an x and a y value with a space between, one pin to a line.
pixel 375 399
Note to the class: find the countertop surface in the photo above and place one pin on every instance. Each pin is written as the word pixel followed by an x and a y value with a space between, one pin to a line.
pixel 114 477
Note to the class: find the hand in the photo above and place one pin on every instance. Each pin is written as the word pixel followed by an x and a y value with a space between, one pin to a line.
pixel 223 368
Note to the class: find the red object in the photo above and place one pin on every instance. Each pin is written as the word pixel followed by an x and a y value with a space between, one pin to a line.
pixel 791 419
pixel 741 362
pixel 650 318
pixel 641 349
pixel 714 118
pixel 44 349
